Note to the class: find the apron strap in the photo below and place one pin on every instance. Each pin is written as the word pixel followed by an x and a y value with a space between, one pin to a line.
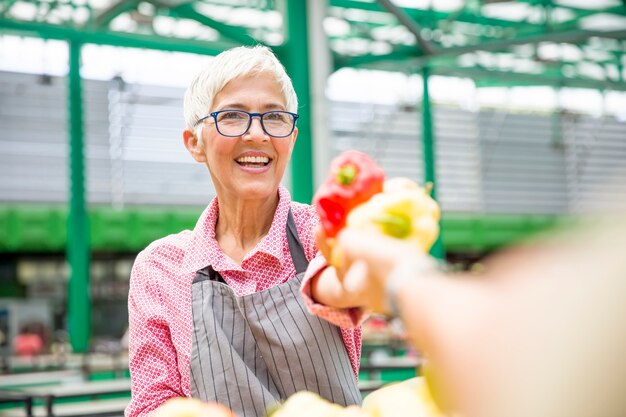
pixel 295 246
pixel 208 274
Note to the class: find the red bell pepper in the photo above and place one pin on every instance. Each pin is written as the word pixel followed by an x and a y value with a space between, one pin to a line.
pixel 353 178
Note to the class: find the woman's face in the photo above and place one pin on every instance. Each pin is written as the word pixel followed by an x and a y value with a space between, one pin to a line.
pixel 249 166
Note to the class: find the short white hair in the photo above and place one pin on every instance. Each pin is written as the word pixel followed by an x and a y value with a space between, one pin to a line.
pixel 237 62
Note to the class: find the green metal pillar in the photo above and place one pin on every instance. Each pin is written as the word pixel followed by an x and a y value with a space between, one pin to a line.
pixel 78 298
pixel 295 56
pixel 429 153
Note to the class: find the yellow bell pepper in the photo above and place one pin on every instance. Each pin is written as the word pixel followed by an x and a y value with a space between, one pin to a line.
pixel 306 404
pixel 410 398
pixel 403 210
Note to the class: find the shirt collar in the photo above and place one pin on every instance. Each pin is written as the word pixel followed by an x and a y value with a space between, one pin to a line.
pixel 203 249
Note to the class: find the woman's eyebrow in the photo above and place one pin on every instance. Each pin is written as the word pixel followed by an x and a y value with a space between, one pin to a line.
pixel 241 106
pixel 232 106
pixel 274 106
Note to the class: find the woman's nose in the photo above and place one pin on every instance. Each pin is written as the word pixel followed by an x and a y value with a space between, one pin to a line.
pixel 256 130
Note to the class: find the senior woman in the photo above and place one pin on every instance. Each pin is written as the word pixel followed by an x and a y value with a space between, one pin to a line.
pixel 223 312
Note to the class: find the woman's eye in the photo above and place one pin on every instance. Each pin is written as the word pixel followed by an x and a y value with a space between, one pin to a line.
pixel 278 117
pixel 231 115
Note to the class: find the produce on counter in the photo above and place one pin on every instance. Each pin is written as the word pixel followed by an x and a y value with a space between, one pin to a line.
pixel 192 407
pixel 306 404
pixel 410 398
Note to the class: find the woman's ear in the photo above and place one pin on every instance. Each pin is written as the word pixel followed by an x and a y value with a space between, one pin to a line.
pixel 293 139
pixel 192 143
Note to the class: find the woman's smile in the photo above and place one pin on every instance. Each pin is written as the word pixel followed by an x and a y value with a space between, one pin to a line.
pixel 254 162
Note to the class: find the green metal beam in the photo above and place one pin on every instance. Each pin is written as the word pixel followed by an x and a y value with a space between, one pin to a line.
pixel 6 6
pixel 575 36
pixel 566 26
pixel 483 76
pixel 233 33
pixel 515 78
pixel 41 228
pixel 400 55
pixel 412 26
pixel 79 324
pixel 430 15
pixel 579 12
pixel 255 4
pixel 428 143
pixel 129 40
pixel 295 55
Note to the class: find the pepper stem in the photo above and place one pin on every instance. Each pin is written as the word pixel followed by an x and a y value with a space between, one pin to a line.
pixel 346 174
pixel 396 225
pixel 428 188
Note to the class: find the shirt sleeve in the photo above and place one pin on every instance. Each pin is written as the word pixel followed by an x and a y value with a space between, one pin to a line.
pixel 154 374
pixel 346 318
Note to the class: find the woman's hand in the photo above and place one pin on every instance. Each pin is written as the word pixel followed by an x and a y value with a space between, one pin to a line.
pixel 365 261
pixel 380 254
pixel 344 286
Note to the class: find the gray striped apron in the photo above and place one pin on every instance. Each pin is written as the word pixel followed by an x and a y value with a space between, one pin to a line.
pixel 250 352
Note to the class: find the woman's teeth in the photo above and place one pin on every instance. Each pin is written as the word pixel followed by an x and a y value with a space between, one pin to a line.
pixel 253 160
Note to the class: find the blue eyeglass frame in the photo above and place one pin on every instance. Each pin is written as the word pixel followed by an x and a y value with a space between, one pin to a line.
pixel 251 115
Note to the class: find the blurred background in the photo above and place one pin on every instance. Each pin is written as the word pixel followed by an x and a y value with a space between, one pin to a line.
pixel 515 110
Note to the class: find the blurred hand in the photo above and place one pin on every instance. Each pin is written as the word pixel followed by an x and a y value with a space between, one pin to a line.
pixel 357 271
pixel 380 254
pixel 366 261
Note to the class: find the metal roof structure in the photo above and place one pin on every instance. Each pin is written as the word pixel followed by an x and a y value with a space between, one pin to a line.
pixel 577 43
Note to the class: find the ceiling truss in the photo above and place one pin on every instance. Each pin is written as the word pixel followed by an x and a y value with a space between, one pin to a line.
pixel 506 41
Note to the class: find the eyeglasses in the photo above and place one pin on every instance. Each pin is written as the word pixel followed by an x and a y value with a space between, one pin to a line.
pixel 233 123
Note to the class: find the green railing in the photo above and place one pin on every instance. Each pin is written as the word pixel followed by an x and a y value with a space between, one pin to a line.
pixel 26 228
